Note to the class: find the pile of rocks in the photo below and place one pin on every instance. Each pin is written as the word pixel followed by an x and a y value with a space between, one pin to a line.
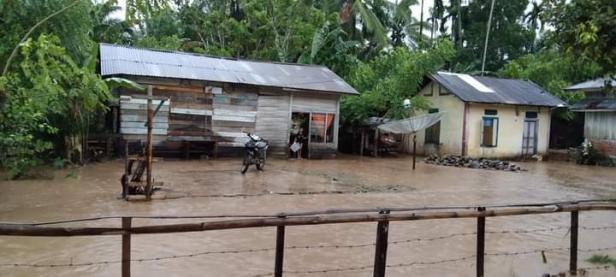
pixel 460 161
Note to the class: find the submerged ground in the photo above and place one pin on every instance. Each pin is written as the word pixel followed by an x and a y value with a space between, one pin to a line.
pixel 195 187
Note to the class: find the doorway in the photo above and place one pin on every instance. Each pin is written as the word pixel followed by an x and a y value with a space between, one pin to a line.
pixel 529 134
pixel 298 137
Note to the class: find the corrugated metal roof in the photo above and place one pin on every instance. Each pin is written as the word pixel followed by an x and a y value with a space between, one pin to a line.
pixel 500 91
pixel 596 84
pixel 124 60
pixel 598 104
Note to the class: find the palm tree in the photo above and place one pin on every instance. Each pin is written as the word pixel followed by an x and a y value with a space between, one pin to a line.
pixel 350 9
pixel 533 19
pixel 106 28
pixel 404 25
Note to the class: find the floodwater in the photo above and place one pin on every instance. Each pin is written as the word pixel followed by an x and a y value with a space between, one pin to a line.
pixel 416 248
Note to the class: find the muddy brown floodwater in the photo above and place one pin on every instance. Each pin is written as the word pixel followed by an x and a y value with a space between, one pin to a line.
pixel 93 191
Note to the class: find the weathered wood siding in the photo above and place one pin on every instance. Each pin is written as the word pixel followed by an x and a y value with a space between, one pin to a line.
pixel 190 116
pixel 273 121
pixel 235 112
pixel 134 117
pixel 187 113
pixel 314 103
pixel 197 113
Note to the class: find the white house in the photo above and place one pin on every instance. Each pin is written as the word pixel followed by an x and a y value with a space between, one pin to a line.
pixel 487 117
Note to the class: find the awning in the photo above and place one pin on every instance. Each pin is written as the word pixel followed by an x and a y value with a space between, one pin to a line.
pixel 411 125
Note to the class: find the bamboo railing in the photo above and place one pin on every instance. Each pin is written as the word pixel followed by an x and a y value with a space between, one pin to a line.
pixel 339 216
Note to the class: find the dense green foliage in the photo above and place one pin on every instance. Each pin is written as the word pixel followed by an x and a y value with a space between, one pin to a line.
pixel 72 27
pixel 553 71
pixel 389 79
pixel 585 29
pixel 509 39
pixel 51 93
pixel 48 95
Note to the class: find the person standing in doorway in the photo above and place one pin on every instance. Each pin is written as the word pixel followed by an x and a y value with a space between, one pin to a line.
pixel 299 139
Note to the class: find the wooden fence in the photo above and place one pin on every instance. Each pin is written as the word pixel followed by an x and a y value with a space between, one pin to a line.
pixel 382 216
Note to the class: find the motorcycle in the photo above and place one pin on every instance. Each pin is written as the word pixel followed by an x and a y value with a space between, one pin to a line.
pixel 256 152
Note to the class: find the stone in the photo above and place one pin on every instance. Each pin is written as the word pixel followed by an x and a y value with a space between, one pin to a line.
pixel 483 163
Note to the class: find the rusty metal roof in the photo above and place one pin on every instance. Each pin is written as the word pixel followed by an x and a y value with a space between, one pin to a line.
pixel 492 90
pixel 126 60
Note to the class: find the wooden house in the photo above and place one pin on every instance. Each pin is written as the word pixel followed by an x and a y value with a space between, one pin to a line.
pixel 599 110
pixel 211 102
pixel 486 116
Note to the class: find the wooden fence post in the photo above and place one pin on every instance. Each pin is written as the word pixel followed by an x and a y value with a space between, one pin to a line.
pixel 380 253
pixel 279 251
pixel 150 114
pixel 574 243
pixel 126 225
pixel 414 149
pixel 481 236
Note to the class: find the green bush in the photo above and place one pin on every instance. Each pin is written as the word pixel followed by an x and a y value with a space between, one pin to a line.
pixel 46 99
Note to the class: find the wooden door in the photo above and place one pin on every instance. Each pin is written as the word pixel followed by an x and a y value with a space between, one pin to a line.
pixel 529 137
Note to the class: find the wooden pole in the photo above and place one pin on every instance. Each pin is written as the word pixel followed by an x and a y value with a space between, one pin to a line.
pixel 376 142
pixel 126 225
pixel 414 149
pixel 148 187
pixel 294 220
pixel 361 144
pixel 279 251
pixel 126 177
pixel 574 243
pixel 380 251
pixel 481 236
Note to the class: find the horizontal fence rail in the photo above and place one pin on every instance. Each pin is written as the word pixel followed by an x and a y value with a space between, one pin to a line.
pixel 335 216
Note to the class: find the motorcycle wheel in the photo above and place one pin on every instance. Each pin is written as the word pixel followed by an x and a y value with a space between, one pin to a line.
pixel 245 165
pixel 260 164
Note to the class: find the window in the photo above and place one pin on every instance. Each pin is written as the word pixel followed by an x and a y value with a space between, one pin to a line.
pixel 489 131
pixel 490 112
pixel 322 128
pixel 531 114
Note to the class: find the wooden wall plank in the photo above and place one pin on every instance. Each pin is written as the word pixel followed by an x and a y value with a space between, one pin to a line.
pixel 142 118
pixel 190 111
pixel 323 104
pixel 133 116
pixel 142 131
pixel 233 118
pixel 139 124
pixel 273 120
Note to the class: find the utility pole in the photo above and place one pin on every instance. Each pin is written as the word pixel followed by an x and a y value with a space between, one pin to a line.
pixel 485 46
